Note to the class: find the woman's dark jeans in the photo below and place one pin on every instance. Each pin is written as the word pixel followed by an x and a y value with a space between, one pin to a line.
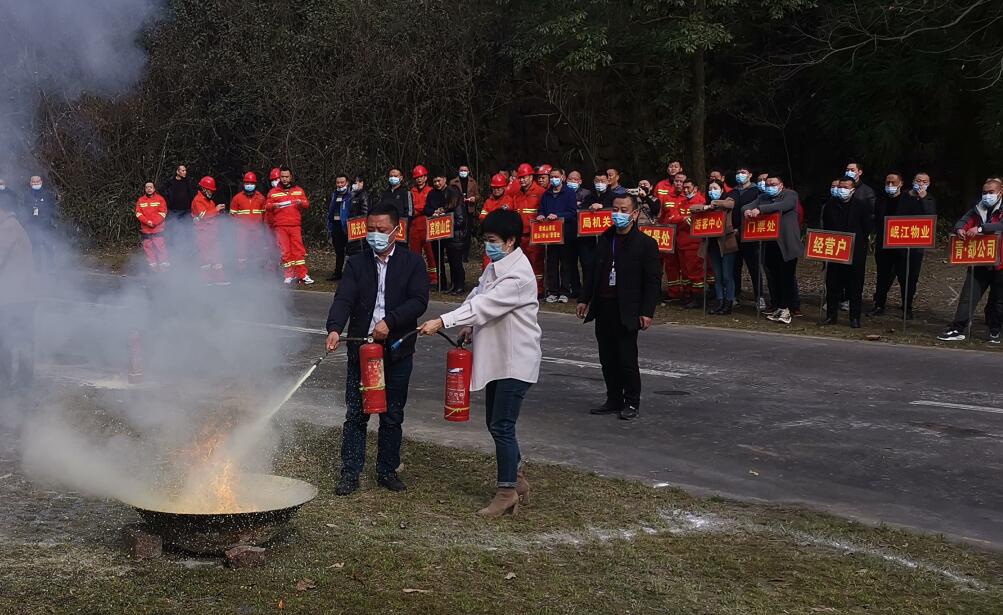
pixel 504 400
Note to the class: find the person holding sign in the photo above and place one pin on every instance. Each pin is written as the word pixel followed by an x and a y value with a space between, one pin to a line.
pixel 500 318
pixel 885 259
pixel 560 203
pixel 442 200
pixel 848 214
pixel 917 202
pixel 781 256
pixel 621 299
pixel 722 251
pixel 986 218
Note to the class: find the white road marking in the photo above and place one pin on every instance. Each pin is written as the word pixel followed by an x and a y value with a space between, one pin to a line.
pixel 944 404
pixel 647 372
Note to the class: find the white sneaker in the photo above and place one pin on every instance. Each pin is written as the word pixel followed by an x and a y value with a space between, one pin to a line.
pixel 844 306
pixel 784 317
pixel 288 281
pixel 307 280
pixel 551 299
pixel 761 304
pixel 774 315
pixel 562 299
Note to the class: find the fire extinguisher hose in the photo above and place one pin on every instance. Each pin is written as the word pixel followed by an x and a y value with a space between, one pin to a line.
pixel 398 343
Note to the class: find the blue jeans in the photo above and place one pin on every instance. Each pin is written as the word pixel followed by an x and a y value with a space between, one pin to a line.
pixel 504 399
pixel 353 437
pixel 724 271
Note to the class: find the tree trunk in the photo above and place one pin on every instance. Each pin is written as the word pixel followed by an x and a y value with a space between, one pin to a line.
pixel 698 171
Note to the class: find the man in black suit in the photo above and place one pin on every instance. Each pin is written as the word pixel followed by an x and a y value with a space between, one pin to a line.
pixel 621 298
pixel 849 213
pixel 382 294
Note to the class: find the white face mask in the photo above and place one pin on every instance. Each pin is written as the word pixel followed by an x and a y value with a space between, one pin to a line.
pixel 275 182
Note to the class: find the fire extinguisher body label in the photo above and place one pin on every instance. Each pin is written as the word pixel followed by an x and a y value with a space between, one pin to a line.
pixel 374 374
pixel 457 397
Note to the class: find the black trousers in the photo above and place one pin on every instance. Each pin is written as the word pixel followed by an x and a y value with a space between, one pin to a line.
pixel 915 266
pixel 454 254
pixel 562 265
pixel 886 262
pixel 586 248
pixel 782 277
pixel 748 253
pixel 618 355
pixel 340 241
pixel 844 282
pixel 17 348
pixel 388 441
pixel 977 282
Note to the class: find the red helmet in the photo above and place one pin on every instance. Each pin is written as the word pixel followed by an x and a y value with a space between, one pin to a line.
pixel 273 174
pixel 419 171
pixel 208 183
pixel 544 169
pixel 524 170
pixel 499 181
pixel 250 178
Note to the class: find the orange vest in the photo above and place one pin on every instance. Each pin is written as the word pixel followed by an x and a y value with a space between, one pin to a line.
pixel 418 197
pixel 151 209
pixel 203 210
pixel 505 202
pixel 283 205
pixel 248 209
pixel 527 203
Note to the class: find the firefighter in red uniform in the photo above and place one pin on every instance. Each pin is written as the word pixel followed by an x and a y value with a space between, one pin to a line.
pixel 283 205
pixel 418 233
pixel 151 211
pixel 500 199
pixel 543 176
pixel 669 195
pixel 248 211
pixel 205 214
pixel 527 203
pixel 687 247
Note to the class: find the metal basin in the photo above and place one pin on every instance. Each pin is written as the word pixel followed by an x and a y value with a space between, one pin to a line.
pixel 277 498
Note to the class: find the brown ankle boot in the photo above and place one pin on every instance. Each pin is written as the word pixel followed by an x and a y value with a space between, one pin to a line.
pixel 505 502
pixel 522 486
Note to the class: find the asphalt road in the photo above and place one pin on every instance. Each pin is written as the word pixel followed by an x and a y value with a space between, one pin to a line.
pixel 881 433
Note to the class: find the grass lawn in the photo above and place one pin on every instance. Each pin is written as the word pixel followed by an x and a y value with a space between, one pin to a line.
pixel 586 544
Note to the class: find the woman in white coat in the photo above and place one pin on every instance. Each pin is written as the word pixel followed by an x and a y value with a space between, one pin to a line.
pixel 500 317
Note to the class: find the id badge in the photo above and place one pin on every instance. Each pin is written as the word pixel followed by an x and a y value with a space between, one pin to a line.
pixel 612 277
pixel 34 211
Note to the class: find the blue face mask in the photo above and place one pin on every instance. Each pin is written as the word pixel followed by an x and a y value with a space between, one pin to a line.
pixel 844 193
pixel 464 174
pixel 761 185
pixel 851 174
pixel 834 191
pixel 891 190
pixel 343 189
pixel 494 251
pixel 379 242
pixel 394 180
pixel 555 181
pixel 990 200
pixel 38 187
pixel 916 186
pixel 714 193
pixel 574 185
pixel 773 190
pixel 741 178
pixel 621 220
pixel 249 187
pixel 600 187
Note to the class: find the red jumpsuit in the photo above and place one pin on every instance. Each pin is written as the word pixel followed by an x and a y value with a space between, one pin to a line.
pixel 249 214
pixel 675 283
pixel 418 233
pixel 205 216
pixel 282 209
pixel 505 202
pixel 684 267
pixel 151 211
pixel 527 203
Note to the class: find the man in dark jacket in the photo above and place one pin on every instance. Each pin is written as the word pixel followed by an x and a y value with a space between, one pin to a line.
pixel 745 192
pixel 847 214
pixel 397 195
pixel 38 217
pixel 442 200
pixel 470 193
pixel 622 299
pixel 179 192
pixel 560 203
pixel 382 294
pixel 17 304
pixel 864 192
pixel 885 261
pixel 780 257
pixel 346 202
pixel 917 202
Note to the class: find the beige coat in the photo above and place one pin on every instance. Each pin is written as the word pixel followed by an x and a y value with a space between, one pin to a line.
pixel 502 309
pixel 16 264
pixel 728 242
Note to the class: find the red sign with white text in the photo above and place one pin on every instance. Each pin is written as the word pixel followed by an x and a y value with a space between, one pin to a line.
pixel 707 224
pixel 910 232
pixel 829 246
pixel 664 236
pixel 547 233
pixel 764 228
pixel 592 223
pixel 979 250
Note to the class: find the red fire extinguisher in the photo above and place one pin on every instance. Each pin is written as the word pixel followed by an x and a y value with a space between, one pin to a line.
pixel 459 362
pixel 371 381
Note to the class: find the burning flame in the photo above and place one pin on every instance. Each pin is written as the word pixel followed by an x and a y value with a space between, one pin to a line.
pixel 211 478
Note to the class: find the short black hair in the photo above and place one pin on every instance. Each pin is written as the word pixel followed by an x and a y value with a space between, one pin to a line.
pixel 285 168
pixel 386 210
pixel 621 196
pixel 505 223
pixel 339 176
pixel 895 173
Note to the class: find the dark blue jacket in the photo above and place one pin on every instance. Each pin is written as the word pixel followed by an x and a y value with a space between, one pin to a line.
pixel 405 298
pixel 39 208
pixel 564 204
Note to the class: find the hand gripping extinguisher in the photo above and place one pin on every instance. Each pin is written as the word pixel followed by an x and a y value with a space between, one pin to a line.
pixel 459 363
pixel 371 380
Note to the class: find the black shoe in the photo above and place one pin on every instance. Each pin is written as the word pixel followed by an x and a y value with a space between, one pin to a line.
pixel 392 482
pixel 827 322
pixel 458 292
pixel 346 485
pixel 607 408
pixel 725 309
pixel 908 315
pixel 854 323
pixel 693 304
pixel 629 413
pixel 879 310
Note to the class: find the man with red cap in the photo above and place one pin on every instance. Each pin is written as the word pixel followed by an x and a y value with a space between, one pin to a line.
pixel 248 210
pixel 500 199
pixel 417 234
pixel 282 207
pixel 669 193
pixel 543 176
pixel 527 204
pixel 151 211
pixel 205 214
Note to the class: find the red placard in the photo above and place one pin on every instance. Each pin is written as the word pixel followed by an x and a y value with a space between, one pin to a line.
pixel 764 228
pixel 357 228
pixel 402 231
pixel 979 250
pixel 829 246
pixel 547 233
pixel 910 232
pixel 665 236
pixel 707 224
pixel 592 223
pixel 439 227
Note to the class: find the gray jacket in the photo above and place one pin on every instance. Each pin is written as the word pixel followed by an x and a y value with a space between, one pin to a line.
pixel 790 231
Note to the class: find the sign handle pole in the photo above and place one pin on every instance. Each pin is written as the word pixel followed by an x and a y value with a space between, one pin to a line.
pixel 439 264
pixel 905 291
pixel 706 244
pixel 821 300
pixel 971 300
pixel 759 274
